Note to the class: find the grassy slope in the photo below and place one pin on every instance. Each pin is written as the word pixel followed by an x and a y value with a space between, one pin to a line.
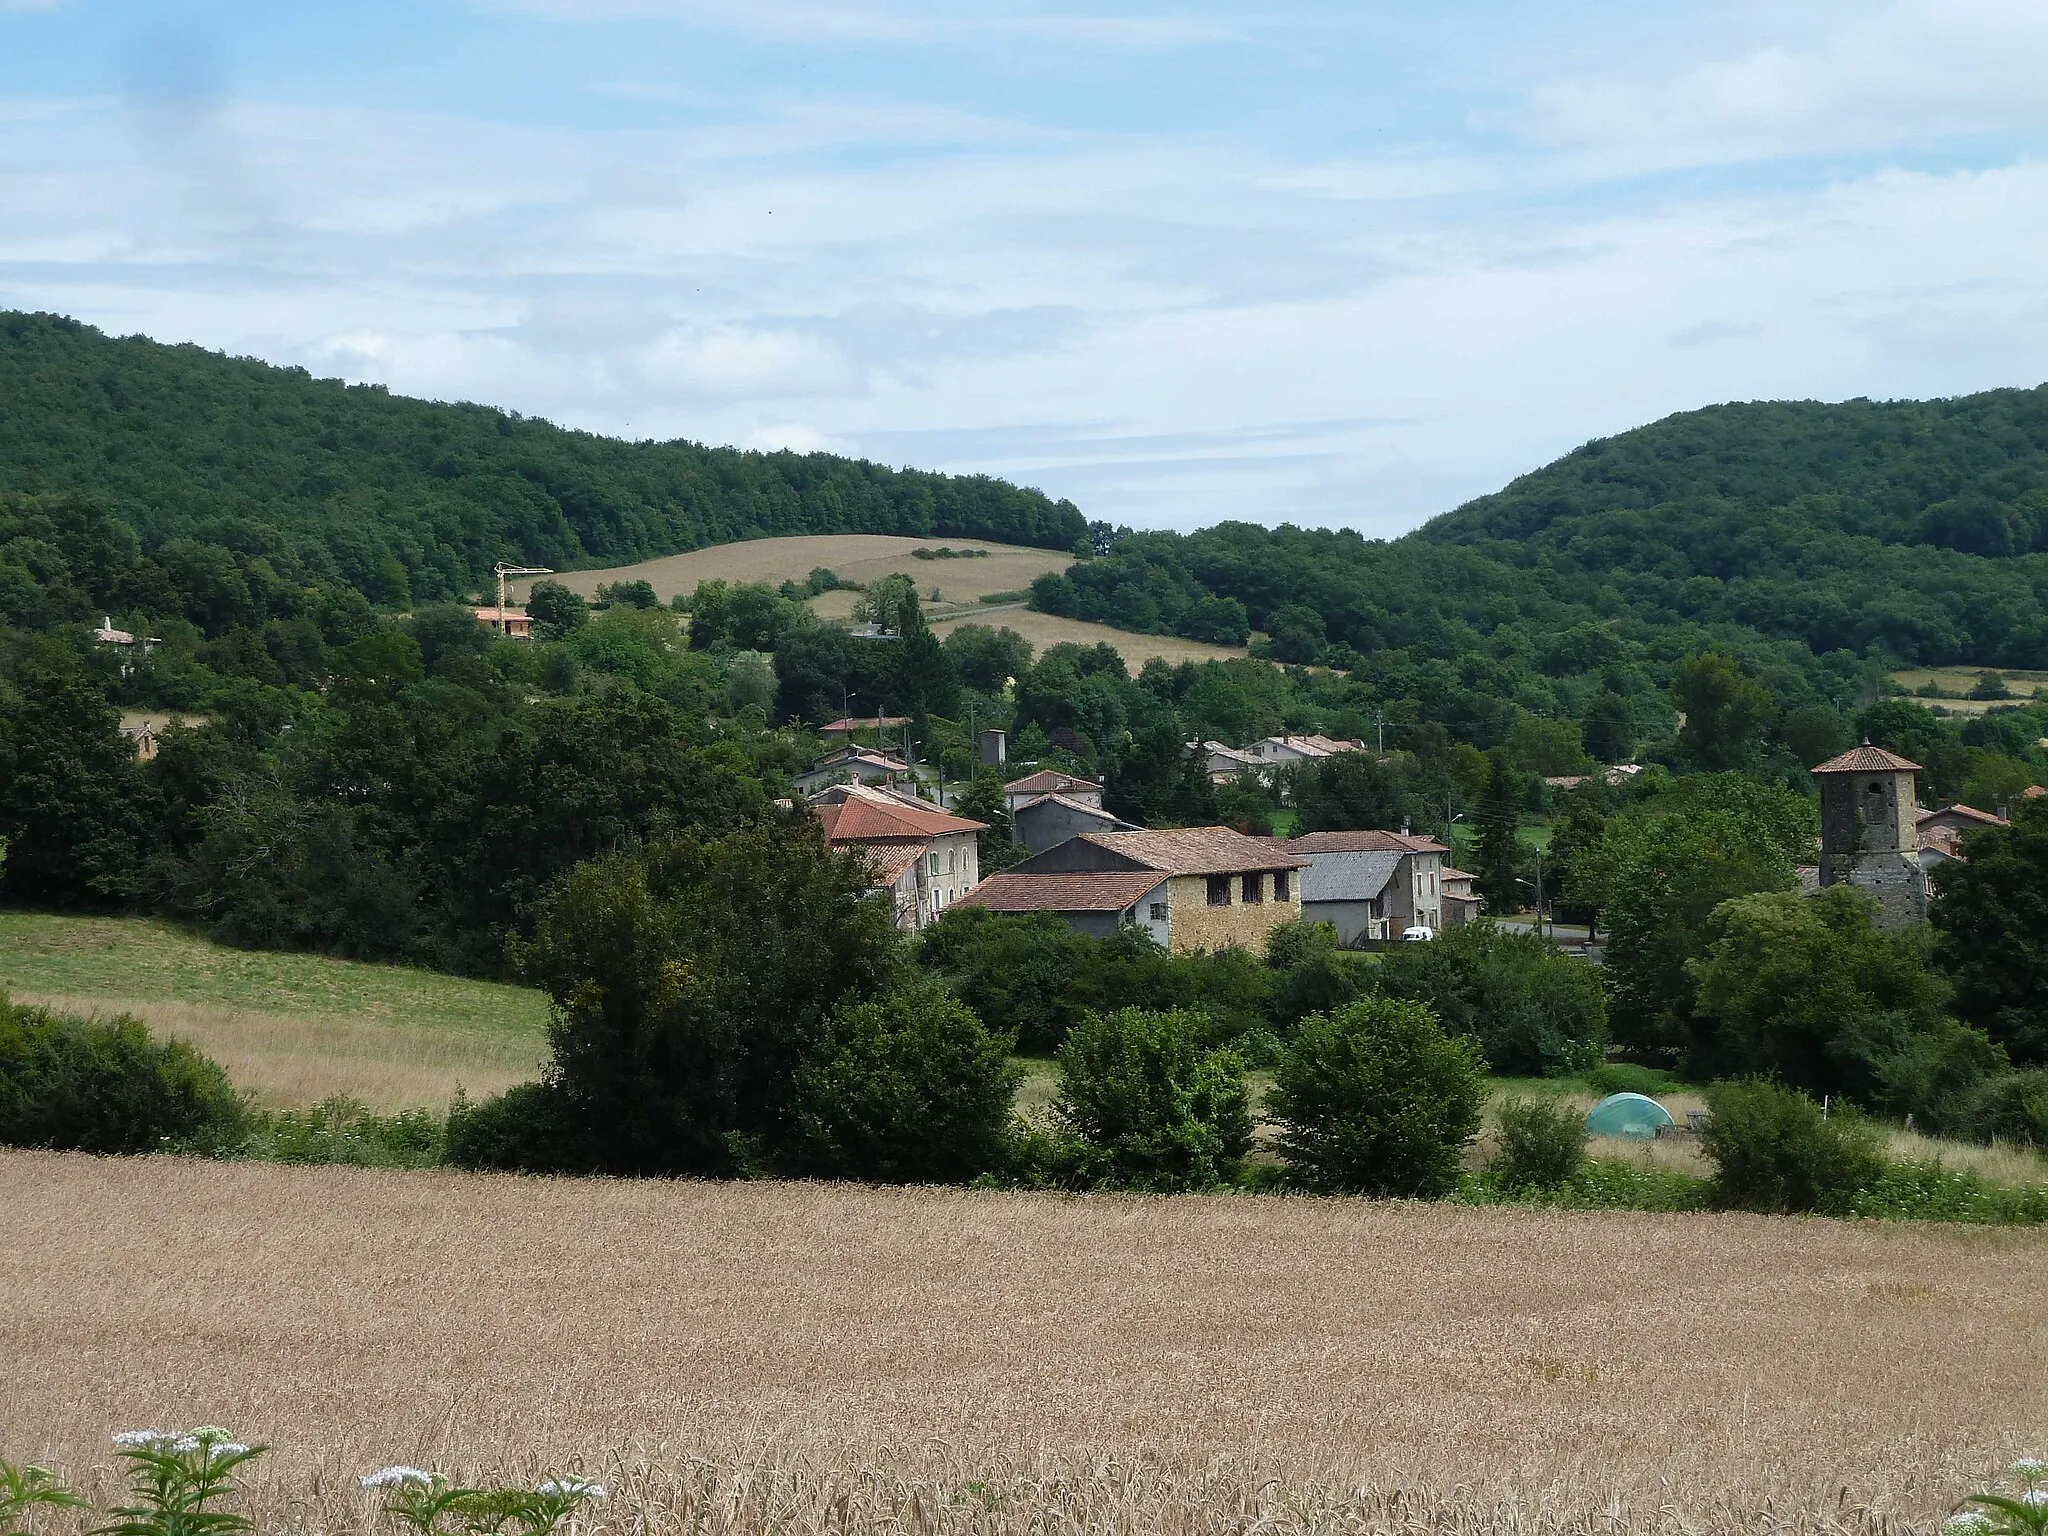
pixel 292 1028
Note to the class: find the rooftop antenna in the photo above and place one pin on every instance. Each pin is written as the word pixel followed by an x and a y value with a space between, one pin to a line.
pixel 501 570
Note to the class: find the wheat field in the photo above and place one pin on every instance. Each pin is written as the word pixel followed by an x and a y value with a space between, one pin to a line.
pixel 788 1359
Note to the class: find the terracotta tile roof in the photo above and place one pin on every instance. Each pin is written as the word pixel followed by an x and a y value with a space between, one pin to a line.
pixel 1047 782
pixel 891 861
pixel 856 813
pixel 1966 813
pixel 1368 840
pixel 877 723
pixel 1097 892
pixel 1196 851
pixel 1866 759
pixel 2034 792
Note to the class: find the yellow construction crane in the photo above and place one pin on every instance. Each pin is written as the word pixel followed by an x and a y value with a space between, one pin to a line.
pixel 501 570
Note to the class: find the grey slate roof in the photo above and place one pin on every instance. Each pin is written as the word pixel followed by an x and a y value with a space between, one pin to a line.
pixel 1348 876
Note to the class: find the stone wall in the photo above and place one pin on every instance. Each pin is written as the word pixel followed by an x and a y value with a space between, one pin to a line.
pixel 1197 925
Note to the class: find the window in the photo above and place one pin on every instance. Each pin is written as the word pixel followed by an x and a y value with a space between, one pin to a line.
pixel 1254 888
pixel 1280 885
pixel 936 903
pixel 933 863
pixel 1219 890
pixel 1158 911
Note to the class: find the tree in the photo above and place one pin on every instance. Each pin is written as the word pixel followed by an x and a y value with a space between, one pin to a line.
pixel 1661 870
pixel 1725 711
pixel 986 659
pixel 1376 1099
pixel 1609 729
pixel 555 610
pixel 1775 1151
pixel 1810 992
pixel 905 1089
pixel 1552 748
pixel 1532 1010
pixel 689 983
pixel 1500 843
pixel 997 847
pixel 1346 792
pixel 1160 780
pixel 1990 916
pixel 1150 1106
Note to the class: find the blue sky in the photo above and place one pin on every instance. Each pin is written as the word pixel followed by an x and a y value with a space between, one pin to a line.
pixel 1340 264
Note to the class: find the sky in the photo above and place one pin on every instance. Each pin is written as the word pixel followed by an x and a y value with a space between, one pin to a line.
pixel 1341 264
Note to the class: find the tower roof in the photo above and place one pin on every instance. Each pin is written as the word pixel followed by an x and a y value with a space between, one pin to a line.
pixel 1866 759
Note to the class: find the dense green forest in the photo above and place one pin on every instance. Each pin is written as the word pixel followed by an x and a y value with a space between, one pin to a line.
pixel 404 500
pixel 1904 532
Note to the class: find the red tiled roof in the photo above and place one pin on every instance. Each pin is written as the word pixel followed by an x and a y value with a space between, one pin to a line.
pixel 1369 840
pixel 1098 892
pixel 1047 782
pixel 1196 850
pixel 854 813
pixel 1866 759
pixel 889 861
pixel 2034 792
pixel 1967 813
pixel 876 723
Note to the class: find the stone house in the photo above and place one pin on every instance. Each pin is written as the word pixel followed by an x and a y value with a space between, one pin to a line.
pixel 1224 763
pixel 1414 897
pixel 1019 793
pixel 926 859
pixel 1277 751
pixel 858 765
pixel 1869 831
pixel 1460 896
pixel 512 623
pixel 1216 888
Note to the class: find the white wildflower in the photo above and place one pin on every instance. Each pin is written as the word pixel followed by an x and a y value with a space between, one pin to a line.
pixel 144 1439
pixel 183 1445
pixel 209 1432
pixel 572 1488
pixel 2030 1469
pixel 399 1477
pixel 1970 1523
pixel 216 1449
pixel 2035 1498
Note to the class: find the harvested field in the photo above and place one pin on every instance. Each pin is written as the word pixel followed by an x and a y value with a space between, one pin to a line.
pixel 1045 630
pixel 859 557
pixel 797 1358
pixel 293 1029
pixel 2024 687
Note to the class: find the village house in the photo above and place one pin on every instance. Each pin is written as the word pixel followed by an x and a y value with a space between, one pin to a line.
pixel 512 623
pixel 1278 751
pixel 1412 897
pixel 859 765
pixel 1460 896
pixel 1019 793
pixel 923 858
pixel 1210 887
pixel 1940 832
pixel 1051 820
pixel 1348 891
pixel 1223 763
pixel 848 727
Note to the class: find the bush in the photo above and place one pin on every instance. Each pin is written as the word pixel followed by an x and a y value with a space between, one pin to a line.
pixel 80 1085
pixel 1143 1105
pixel 1774 1150
pixel 1533 1010
pixel 1537 1145
pixel 341 1130
pixel 1920 1191
pixel 1627 1077
pixel 529 1128
pixel 908 1089
pixel 1376 1099
pixel 2012 1108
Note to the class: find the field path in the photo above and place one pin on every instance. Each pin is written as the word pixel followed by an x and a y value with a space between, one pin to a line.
pixel 358 1317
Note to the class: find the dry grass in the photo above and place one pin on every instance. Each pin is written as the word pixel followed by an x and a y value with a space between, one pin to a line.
pixel 1045 630
pixel 795 1358
pixel 293 1029
pixel 858 557
pixel 1960 680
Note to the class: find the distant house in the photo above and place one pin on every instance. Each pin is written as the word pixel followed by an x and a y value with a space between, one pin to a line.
pixel 1021 792
pixel 1051 820
pixel 1461 899
pixel 2035 791
pixel 1414 897
pixel 1276 751
pixel 1348 891
pixel 1213 888
pixel 861 765
pixel 1097 904
pixel 924 858
pixel 512 623
pixel 1941 832
pixel 1223 763
pixel 878 724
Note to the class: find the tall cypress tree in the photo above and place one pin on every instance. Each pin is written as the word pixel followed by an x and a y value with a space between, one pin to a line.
pixel 1500 847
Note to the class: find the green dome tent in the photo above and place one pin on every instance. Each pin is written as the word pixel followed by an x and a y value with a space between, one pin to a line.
pixel 1631 1116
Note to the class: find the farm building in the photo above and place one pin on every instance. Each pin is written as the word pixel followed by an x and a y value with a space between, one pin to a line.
pixel 1050 820
pixel 1414 897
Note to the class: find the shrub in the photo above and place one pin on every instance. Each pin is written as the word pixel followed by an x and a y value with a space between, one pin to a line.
pixel 1537 1145
pixel 1927 1191
pixel 96 1085
pixel 1533 1010
pixel 1627 1077
pixel 908 1089
pixel 1774 1150
pixel 1376 1099
pixel 340 1130
pixel 2012 1108
pixel 1146 1106
pixel 529 1128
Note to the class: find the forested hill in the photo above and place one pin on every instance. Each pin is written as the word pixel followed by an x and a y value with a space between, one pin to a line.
pixel 1899 532
pixel 408 500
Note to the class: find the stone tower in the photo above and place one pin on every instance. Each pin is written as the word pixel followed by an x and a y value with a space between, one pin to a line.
pixel 1869 831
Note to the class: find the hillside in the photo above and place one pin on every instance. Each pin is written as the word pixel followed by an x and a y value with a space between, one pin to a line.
pixel 409 500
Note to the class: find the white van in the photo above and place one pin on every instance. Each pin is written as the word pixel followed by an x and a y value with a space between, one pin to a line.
pixel 1419 934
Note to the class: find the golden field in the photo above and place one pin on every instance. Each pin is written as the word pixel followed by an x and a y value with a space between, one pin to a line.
pixel 792 1358
pixel 857 557
pixel 1045 630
